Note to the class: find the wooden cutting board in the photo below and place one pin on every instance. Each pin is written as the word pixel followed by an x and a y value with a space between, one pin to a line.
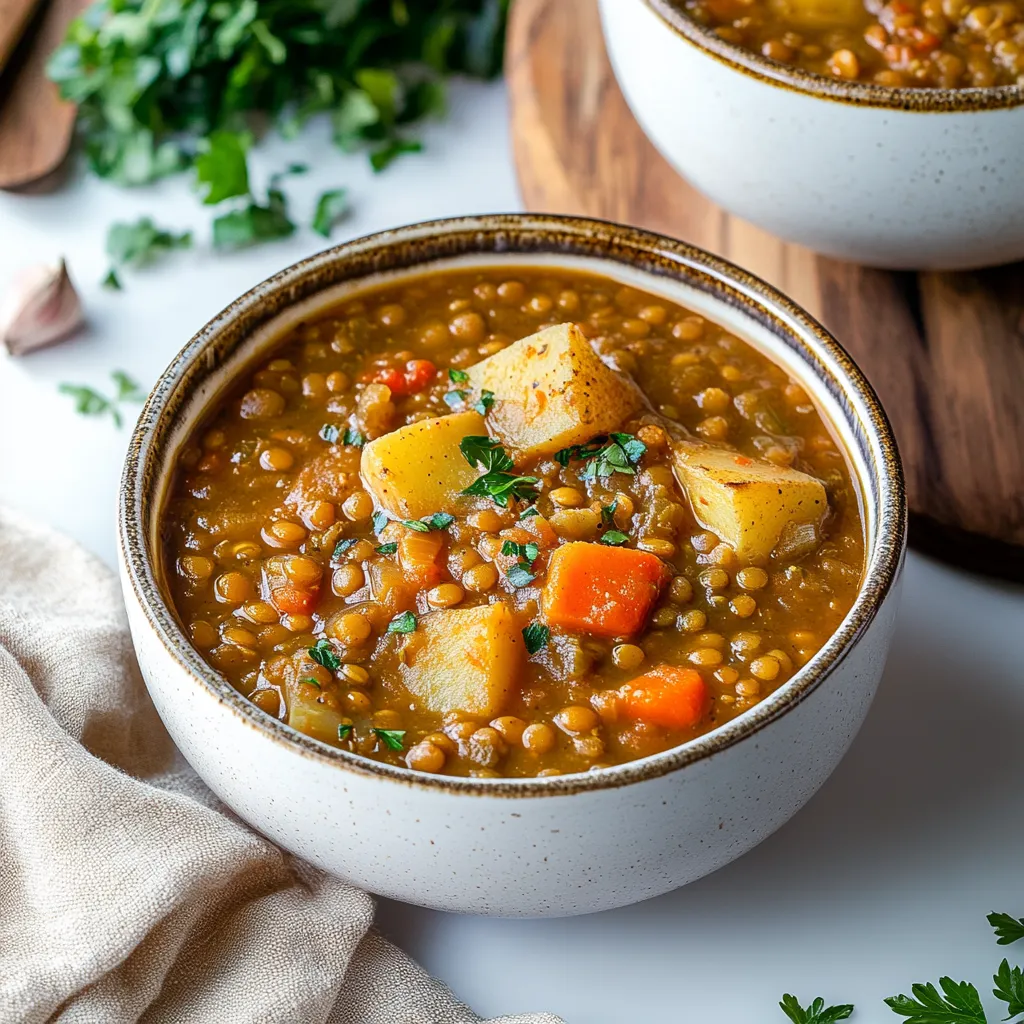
pixel 944 351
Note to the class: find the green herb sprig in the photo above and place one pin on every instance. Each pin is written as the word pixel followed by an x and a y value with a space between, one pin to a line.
pixel 139 244
pixel 438 521
pixel 616 453
pixel 536 636
pixel 90 402
pixel 323 653
pixel 393 739
pixel 404 623
pixel 497 482
pixel 816 1013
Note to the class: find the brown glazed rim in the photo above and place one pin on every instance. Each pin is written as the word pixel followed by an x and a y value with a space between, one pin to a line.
pixel 518 235
pixel 863 94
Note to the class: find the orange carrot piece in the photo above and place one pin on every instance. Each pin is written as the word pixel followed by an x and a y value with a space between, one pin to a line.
pixel 292 600
pixel 677 698
pixel 598 589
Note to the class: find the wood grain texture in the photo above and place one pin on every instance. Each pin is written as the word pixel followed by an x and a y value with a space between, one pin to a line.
pixel 36 125
pixel 944 351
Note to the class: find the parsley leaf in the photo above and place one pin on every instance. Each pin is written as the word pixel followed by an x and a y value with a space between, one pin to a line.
pixel 529 513
pixel 221 165
pixel 1010 988
pixel 485 402
pixel 139 244
pixel 453 399
pixel 536 637
pixel 323 654
pixel 341 547
pixel 254 223
pixel 404 623
pixel 618 453
pixel 379 520
pixel 613 537
pixel 439 521
pixel 519 575
pixel 330 433
pixel 608 512
pixel 1008 929
pixel 312 682
pixel 486 453
pixel 353 437
pixel 526 552
pixel 344 731
pixel 391 151
pixel 458 376
pixel 497 482
pixel 90 402
pixel 386 549
pixel 958 1004
pixel 330 208
pixel 816 1013
pixel 393 739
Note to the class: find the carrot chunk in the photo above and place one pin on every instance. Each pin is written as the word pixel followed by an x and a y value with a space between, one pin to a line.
pixel 595 588
pixel 677 698
pixel 292 600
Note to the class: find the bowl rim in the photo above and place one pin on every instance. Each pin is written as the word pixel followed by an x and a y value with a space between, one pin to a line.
pixel 413 245
pixel 911 99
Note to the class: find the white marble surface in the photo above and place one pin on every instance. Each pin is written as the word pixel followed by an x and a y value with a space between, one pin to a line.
pixel 883 880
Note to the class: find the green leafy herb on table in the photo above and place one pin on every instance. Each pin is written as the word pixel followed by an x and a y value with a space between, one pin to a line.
pixel 816 1013
pixel 254 222
pixel 330 208
pixel 139 244
pixel 167 85
pixel 958 1003
pixel 1008 929
pixel 1009 982
pixel 89 402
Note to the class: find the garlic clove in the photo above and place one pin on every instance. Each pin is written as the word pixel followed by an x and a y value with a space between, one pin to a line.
pixel 42 307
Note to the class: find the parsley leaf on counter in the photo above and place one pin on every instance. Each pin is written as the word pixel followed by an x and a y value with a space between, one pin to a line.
pixel 391 151
pixel 330 208
pixel 1009 988
pixel 221 164
pixel 1008 929
pixel 254 223
pixel 323 654
pixel 959 1003
pixel 112 281
pixel 816 1013
pixel 394 739
pixel 139 244
pixel 90 402
pixel 536 637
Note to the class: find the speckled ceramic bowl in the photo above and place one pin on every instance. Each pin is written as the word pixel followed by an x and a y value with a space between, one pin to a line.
pixel 899 178
pixel 549 846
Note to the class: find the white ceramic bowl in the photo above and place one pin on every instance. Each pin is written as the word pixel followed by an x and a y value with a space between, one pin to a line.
pixel 899 178
pixel 549 846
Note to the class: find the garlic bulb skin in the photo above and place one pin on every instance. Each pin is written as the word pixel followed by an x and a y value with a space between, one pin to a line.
pixel 41 307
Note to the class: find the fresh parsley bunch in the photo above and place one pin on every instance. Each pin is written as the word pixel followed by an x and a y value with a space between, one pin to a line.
pixel 155 80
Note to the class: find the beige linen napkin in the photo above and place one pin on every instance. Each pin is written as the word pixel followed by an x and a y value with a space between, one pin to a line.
pixel 127 893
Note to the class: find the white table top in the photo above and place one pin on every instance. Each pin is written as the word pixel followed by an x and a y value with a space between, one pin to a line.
pixel 883 880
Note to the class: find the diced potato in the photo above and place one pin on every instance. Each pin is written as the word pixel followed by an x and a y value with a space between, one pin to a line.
pixel 418 470
pixel 465 659
pixel 819 14
pixel 316 720
pixel 747 502
pixel 551 390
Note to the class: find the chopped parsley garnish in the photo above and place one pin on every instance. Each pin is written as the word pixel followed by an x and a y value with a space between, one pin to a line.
pixel 89 402
pixel 312 682
pixel 536 637
pixel 341 547
pixel 497 482
pixel 608 512
pixel 1009 982
pixel 344 731
pixel 386 549
pixel 816 1013
pixel 139 244
pixel 453 399
pixel 333 435
pixel 458 376
pixel 330 208
pixel 379 521
pixel 323 654
pixel 529 513
pixel 616 453
pixel 438 521
pixel 254 222
pixel 519 575
pixel 404 623
pixel 393 739
pixel 527 552
pixel 485 402
pixel 112 282
pixel 613 537
pixel 1008 929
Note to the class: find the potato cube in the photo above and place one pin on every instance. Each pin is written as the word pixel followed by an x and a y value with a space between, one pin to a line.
pixel 747 502
pixel 465 659
pixel 418 469
pixel 551 390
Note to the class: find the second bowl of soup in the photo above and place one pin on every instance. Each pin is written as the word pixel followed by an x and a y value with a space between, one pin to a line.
pixel 470 543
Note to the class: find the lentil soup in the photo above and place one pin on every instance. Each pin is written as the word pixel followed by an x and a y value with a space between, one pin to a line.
pixel 520 524
pixel 900 43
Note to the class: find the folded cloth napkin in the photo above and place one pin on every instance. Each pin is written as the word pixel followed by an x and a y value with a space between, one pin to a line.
pixel 127 893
